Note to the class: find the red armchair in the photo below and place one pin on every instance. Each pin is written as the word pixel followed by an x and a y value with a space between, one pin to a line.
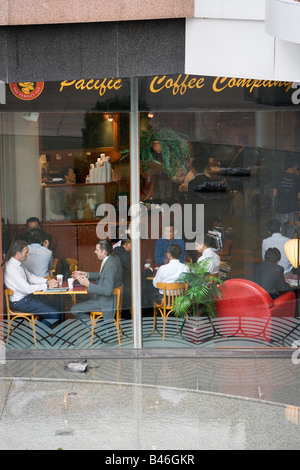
pixel 247 310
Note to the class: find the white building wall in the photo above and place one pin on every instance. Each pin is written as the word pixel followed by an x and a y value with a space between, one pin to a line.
pixel 229 38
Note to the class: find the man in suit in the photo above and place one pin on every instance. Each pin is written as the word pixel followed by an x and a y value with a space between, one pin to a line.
pixel 124 254
pixel 269 275
pixel 101 283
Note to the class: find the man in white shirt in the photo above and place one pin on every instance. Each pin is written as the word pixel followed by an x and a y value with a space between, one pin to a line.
pixel 207 252
pixel 171 271
pixel 24 283
pixel 39 259
pixel 276 240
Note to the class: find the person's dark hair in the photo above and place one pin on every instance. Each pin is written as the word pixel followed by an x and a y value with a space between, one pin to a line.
pixel 175 250
pixel 272 255
pixel 209 241
pixel 274 226
pixel 126 240
pixel 35 236
pixel 65 172
pixel 17 247
pixel 33 219
pixel 105 245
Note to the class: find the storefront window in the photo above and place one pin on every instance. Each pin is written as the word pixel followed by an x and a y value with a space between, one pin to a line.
pixel 215 154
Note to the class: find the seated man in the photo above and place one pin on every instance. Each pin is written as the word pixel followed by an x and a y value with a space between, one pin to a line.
pixel 68 175
pixel 269 275
pixel 124 254
pixel 39 260
pixel 162 245
pixel 105 281
pixel 33 223
pixel 24 283
pixel 277 240
pixel 171 271
pixel 206 251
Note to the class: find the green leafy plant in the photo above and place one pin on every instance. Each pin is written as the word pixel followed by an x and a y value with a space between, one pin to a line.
pixel 202 292
pixel 174 150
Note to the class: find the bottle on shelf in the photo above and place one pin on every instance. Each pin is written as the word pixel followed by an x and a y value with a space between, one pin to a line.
pixel 92 173
pixel 108 169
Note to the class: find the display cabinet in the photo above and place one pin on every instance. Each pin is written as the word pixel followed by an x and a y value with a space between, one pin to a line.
pixel 63 202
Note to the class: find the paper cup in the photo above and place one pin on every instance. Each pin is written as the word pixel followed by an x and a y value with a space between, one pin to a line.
pixel 70 283
pixel 60 278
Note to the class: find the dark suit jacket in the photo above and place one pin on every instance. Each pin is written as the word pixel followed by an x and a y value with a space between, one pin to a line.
pixel 125 258
pixel 105 282
pixel 270 276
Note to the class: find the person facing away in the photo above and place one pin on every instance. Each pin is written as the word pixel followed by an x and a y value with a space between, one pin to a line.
pixel 277 240
pixel 124 254
pixel 206 251
pixel 269 275
pixel 286 194
pixel 170 272
pixel 101 284
pixel 39 260
pixel 33 223
pixel 24 283
pixel 162 244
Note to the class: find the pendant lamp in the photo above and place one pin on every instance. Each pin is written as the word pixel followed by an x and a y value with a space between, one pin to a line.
pixel 292 249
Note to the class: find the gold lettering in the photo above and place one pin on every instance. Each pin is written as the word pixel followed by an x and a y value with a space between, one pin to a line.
pixel 221 83
pixel 159 81
pixel 200 83
pixel 118 84
pixel 92 84
pixel 79 85
pixel 66 83
pixel 178 86
pixel 215 83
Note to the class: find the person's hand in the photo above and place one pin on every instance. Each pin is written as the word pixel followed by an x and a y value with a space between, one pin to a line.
pixel 75 274
pixel 52 283
pixel 83 280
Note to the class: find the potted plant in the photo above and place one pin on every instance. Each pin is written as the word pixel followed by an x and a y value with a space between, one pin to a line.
pixel 165 147
pixel 198 305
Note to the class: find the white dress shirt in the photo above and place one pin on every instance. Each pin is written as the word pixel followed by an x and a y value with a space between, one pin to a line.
pixel 38 260
pixel 21 281
pixel 170 272
pixel 214 266
pixel 277 241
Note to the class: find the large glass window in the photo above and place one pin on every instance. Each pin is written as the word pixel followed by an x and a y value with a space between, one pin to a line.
pixel 218 167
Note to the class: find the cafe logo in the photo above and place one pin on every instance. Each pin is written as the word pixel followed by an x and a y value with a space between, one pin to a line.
pixel 27 90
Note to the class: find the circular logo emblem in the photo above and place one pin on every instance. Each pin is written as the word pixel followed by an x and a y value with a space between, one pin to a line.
pixel 27 90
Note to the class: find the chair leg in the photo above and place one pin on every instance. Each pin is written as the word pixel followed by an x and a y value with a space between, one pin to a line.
pixel 93 322
pixel 154 319
pixel 164 320
pixel 8 330
pixel 119 330
pixel 32 323
pixel 31 320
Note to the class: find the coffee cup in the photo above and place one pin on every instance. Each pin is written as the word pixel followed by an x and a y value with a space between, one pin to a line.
pixel 60 278
pixel 70 283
